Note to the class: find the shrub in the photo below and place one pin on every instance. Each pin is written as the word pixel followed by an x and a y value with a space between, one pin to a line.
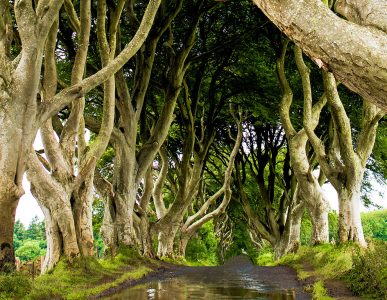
pixel 369 273
pixel 320 292
pixel 30 250
pixel 202 247
pixel 265 255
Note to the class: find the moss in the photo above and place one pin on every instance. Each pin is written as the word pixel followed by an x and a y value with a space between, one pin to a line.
pixel 131 275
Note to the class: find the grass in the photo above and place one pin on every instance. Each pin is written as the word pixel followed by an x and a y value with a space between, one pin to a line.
pixel 363 270
pixel 79 280
pixel 327 261
pixel 320 292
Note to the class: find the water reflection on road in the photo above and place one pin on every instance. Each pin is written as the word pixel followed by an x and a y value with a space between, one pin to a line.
pixel 237 279
pixel 182 288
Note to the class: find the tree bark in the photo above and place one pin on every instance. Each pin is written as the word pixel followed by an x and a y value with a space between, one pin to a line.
pixel 356 54
pixel 166 237
pixel 8 204
pixel 350 226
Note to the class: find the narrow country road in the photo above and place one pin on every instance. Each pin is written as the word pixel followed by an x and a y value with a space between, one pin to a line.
pixel 237 279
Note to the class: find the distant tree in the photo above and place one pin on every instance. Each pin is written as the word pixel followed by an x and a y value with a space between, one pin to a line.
pixel 375 224
pixel 19 234
pixel 30 250
pixel 36 230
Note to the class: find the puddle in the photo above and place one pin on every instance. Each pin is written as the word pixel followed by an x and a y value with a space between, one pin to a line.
pixel 192 287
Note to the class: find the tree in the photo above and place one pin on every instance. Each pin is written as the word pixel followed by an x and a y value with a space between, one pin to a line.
pixel 30 250
pixel 309 188
pixel 19 234
pixel 204 214
pixel 36 230
pixel 343 163
pixel 24 105
pixel 267 187
pixel 356 54
pixel 131 164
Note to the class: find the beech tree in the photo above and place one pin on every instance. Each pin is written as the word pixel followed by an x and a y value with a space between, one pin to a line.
pixel 354 50
pixel 344 162
pixel 22 112
pixel 309 188
pixel 121 218
pixel 66 203
pixel 204 213
pixel 190 159
pixel 268 190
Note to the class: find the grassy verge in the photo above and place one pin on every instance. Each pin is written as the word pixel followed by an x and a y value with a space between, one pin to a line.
pixel 82 279
pixel 363 270
pixel 320 292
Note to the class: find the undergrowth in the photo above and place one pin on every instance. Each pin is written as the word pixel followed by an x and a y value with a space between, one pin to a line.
pixel 368 277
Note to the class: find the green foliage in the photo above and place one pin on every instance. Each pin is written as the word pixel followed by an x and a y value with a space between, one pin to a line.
pixel 265 255
pixel 327 260
pixel 30 250
pixel 30 243
pixel 14 286
pixel 241 239
pixel 368 277
pixel 375 224
pixel 97 218
pixel 36 230
pixel 333 223
pixel 306 229
pixel 365 270
pixel 19 234
pixel 202 247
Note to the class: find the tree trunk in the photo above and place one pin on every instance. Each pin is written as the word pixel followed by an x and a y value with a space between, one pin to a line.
pixel 309 189
pixel 184 239
pixel 82 209
pixel 350 226
pixel 108 230
pixel 319 215
pixel 62 238
pixel 8 204
pixel 357 55
pixel 146 237
pixel 166 238
pixel 54 241
pixel 117 226
pixel 280 247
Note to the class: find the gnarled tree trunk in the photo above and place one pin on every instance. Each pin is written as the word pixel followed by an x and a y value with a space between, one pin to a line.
pixel 309 189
